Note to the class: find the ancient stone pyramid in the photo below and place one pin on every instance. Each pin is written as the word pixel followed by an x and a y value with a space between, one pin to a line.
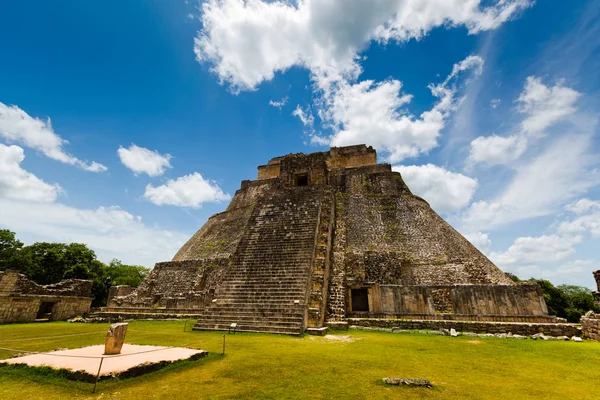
pixel 321 237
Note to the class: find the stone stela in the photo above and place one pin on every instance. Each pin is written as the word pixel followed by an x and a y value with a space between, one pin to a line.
pixel 322 239
pixel 115 338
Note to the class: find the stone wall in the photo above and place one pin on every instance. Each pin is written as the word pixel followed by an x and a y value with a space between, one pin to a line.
pixel 268 171
pixel 21 298
pixel 14 282
pixel 188 284
pixel 590 325
pixel 516 328
pixel 351 156
pixel 496 300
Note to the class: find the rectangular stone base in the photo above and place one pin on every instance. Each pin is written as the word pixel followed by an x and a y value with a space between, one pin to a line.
pixel 317 331
pixel 520 328
pixel 83 363
pixel 338 325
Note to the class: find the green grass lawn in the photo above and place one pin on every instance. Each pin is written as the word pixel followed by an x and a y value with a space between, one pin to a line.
pixel 282 367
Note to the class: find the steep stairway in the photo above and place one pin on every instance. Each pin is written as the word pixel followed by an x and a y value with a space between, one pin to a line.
pixel 267 287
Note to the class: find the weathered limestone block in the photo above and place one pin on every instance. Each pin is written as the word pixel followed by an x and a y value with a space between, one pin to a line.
pixel 590 324
pixel 115 338
pixel 407 381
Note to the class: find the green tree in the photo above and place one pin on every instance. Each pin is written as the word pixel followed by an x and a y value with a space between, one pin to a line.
pixel 122 274
pixel 567 301
pixel 47 263
pixel 10 248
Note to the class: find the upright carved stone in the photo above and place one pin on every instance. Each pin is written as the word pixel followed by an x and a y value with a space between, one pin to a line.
pixel 115 338
pixel 597 293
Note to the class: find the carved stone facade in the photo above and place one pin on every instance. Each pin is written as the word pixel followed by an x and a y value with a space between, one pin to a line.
pixel 22 300
pixel 320 237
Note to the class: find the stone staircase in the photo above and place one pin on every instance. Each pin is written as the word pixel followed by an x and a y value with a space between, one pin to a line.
pixel 320 268
pixel 266 287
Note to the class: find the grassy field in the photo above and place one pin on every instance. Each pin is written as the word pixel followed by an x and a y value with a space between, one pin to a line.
pixel 349 365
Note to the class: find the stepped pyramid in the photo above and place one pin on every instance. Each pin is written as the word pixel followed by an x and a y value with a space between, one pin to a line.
pixel 322 237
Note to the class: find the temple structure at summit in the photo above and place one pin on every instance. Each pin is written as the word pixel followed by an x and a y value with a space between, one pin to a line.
pixel 318 239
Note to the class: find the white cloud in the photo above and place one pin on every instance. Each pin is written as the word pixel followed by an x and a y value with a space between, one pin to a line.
pixel 187 191
pixel 533 250
pixel 17 126
pixel 541 186
pixel 479 240
pixel 587 220
pixel 143 161
pixel 583 205
pixel 570 272
pixel 306 117
pixel 542 107
pixel 495 150
pixel 280 103
pixel 373 113
pixel 545 106
pixel 110 231
pixel 444 190
pixel 247 41
pixel 495 103
pixel 18 184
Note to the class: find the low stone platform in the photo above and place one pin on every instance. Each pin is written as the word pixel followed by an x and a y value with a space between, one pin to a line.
pixel 134 360
pixel 520 328
pixel 126 316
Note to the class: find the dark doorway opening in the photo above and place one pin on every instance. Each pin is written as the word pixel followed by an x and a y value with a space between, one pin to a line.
pixel 302 180
pixel 360 299
pixel 45 310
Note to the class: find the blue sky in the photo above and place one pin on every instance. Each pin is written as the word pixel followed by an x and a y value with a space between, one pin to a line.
pixel 125 125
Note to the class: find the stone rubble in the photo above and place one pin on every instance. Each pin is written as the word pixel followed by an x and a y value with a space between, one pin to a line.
pixel 414 382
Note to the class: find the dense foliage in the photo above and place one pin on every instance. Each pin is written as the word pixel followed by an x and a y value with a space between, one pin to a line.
pixel 565 301
pixel 47 263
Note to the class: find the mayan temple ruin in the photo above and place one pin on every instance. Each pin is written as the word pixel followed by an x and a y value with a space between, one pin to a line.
pixel 322 239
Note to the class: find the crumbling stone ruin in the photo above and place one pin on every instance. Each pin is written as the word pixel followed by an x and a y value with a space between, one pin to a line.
pixel 320 238
pixel 22 300
pixel 590 322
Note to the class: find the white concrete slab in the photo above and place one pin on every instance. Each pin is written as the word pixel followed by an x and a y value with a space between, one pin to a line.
pixel 87 359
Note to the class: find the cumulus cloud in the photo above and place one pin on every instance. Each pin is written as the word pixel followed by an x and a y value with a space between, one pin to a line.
pixel 19 127
pixel 479 240
pixel 18 184
pixel 576 272
pixel 495 150
pixel 247 41
pixel 541 186
pixel 110 231
pixel 587 218
pixel 445 191
pixel 143 161
pixel 187 191
pixel 533 250
pixel 542 106
pixel 582 206
pixel 374 113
